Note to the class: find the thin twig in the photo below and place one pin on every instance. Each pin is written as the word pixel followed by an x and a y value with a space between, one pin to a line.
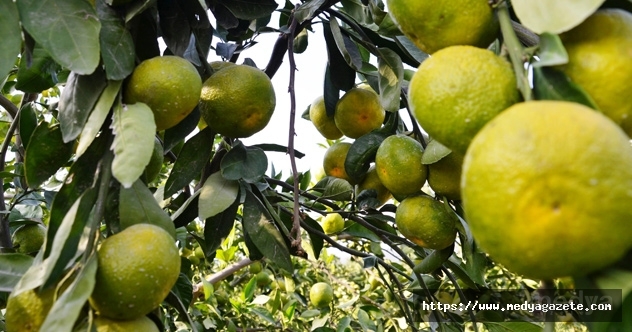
pixel 9 106
pixel 296 226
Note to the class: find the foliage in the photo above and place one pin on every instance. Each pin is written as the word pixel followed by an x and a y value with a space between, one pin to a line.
pixel 73 157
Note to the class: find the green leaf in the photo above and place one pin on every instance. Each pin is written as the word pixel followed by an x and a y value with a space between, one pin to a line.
pixel 216 195
pixel 512 327
pixel 362 153
pixel 28 123
pixel 137 205
pixel 66 241
pixel 316 241
pixel 176 31
pixel 434 260
pixel 183 290
pixel 77 101
pixel 12 268
pixel 552 84
pixel 331 93
pixel 265 236
pixel 80 178
pixel 176 303
pixel 65 311
pixel 45 154
pixel 195 153
pixel 346 47
pixel 551 51
pixel 98 116
pixel 68 30
pixel 434 152
pixel 407 46
pixel 307 9
pixel 11 36
pixel 134 130
pixel 37 71
pixel 344 324
pixel 242 162
pixel 391 71
pixel 334 188
pixel 117 46
pixel 249 290
pixel 250 10
pixel 278 148
pixel 553 16
pixel 357 230
pixel 219 227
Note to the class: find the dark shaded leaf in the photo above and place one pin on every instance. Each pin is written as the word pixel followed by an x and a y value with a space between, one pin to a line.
pixel 11 36
pixel 242 162
pixel 137 205
pixel 182 309
pixel 117 46
pixel 331 93
pixel 307 10
pixel 195 153
pixel 77 101
pixel 347 48
pixel 316 241
pixel 342 75
pixel 28 123
pixel 174 135
pixel 37 72
pixel 68 30
pixel 261 230
pixel 12 267
pixel 249 10
pixel 216 228
pixel 391 71
pixel 434 260
pixel 362 153
pixel 45 154
pixel 552 84
pixel 80 177
pixel 144 32
pixel 174 26
pixel 406 45
pixel 357 230
pixel 183 290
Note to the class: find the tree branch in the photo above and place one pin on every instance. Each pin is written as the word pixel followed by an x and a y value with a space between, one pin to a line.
pixel 5 231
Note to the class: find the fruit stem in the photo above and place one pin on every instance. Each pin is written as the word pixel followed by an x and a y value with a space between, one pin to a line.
pixel 516 52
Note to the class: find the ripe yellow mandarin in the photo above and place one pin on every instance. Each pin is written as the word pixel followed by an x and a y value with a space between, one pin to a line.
pixel 444 176
pixel 459 89
pixel 334 160
pixel 27 311
pixel 169 85
pixel 359 112
pixel 545 201
pixel 237 101
pixel 426 222
pixel 600 61
pixel 137 268
pixel 433 25
pixel 398 165
pixel 325 125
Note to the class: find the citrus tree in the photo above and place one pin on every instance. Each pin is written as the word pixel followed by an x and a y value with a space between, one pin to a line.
pixel 477 168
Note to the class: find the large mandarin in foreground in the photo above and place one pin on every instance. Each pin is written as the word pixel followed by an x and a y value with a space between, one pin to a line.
pixel 137 269
pixel 550 202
